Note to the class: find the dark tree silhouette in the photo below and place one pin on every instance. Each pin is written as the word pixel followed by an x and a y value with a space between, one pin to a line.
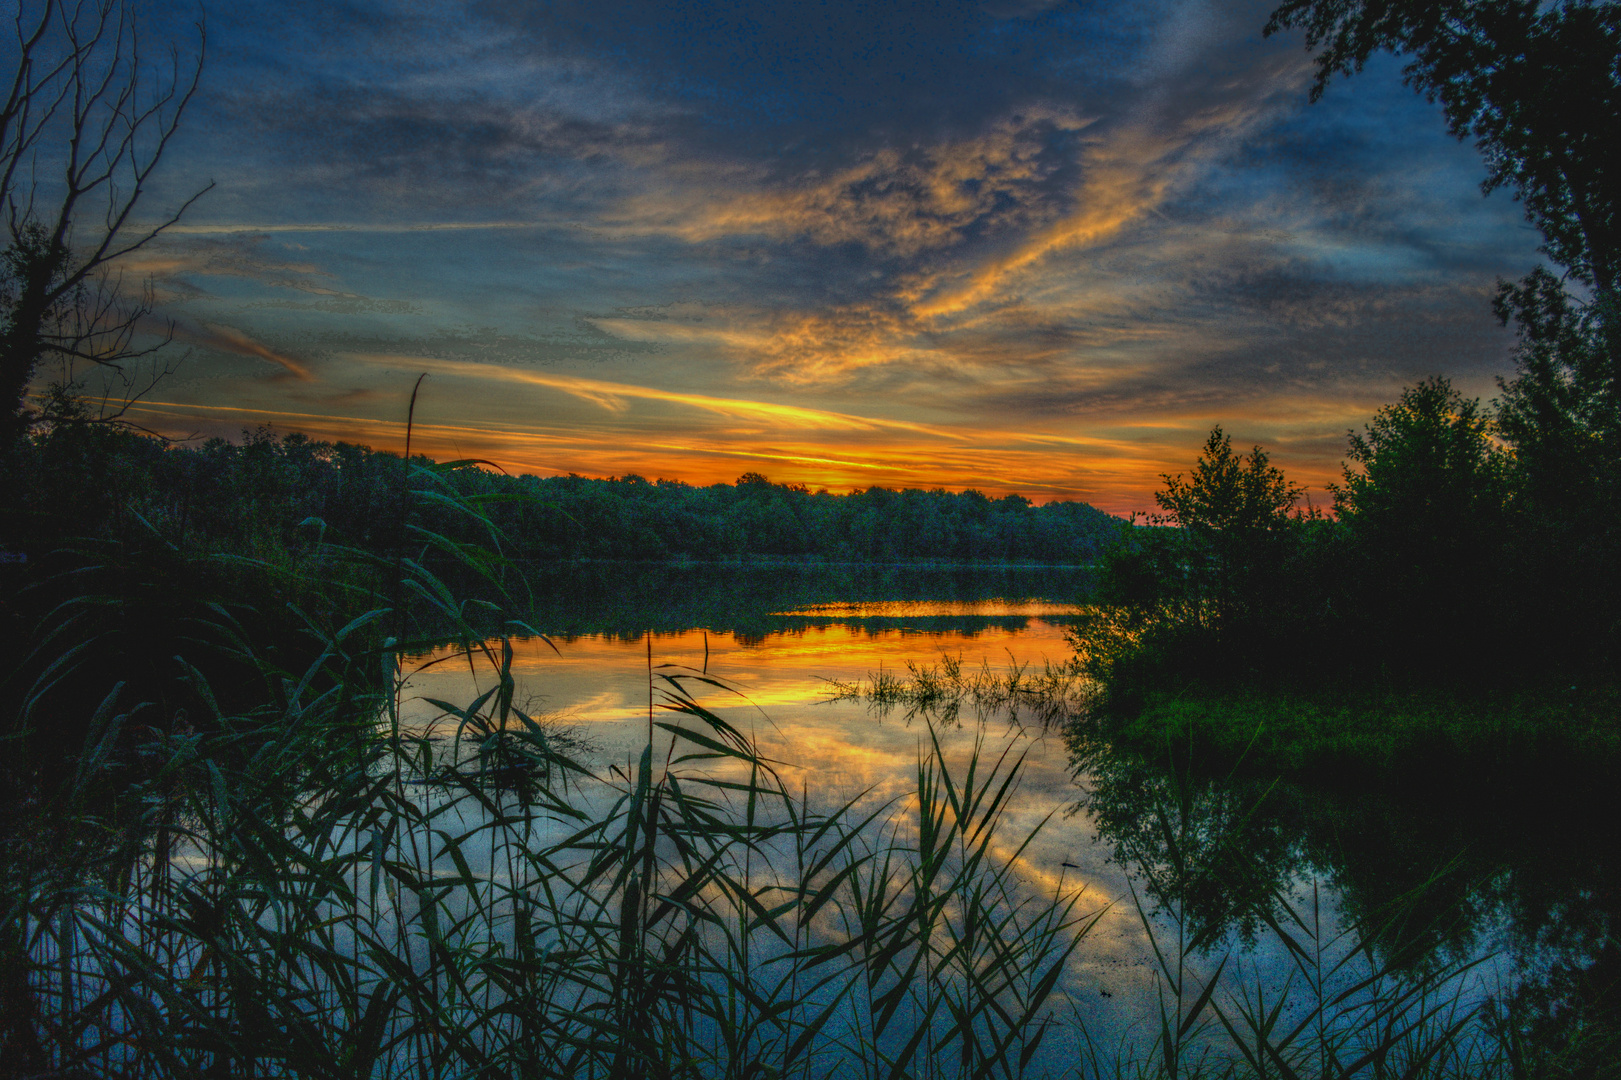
pixel 1537 84
pixel 85 122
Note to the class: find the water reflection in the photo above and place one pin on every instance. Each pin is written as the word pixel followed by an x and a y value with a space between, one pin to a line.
pixel 775 688
pixel 1432 875
pixel 1527 884
pixel 753 602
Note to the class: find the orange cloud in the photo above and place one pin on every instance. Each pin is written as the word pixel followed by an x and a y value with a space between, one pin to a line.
pixel 612 396
pixel 1128 173
pixel 226 339
pixel 901 201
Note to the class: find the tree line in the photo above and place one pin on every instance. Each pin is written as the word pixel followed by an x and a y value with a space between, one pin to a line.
pixel 1438 565
pixel 263 497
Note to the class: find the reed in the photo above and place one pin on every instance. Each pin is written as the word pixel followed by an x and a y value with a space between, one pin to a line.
pixel 1052 695
pixel 396 904
pixel 320 886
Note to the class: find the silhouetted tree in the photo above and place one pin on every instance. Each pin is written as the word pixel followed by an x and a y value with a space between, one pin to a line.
pixel 1426 470
pixel 1424 506
pixel 1537 84
pixel 1236 512
pixel 85 123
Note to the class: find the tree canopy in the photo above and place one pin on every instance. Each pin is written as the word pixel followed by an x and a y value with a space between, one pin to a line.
pixel 1228 493
pixel 1537 84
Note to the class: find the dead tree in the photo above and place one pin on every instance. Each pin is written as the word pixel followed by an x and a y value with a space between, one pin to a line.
pixel 89 114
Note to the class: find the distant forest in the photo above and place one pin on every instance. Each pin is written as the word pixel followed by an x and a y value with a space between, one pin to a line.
pixel 268 494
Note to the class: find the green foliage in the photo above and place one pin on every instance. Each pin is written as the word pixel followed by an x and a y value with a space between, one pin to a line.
pixel 628 518
pixel 392 903
pixel 1426 465
pixel 36 308
pixel 1229 497
pixel 1235 512
pixel 279 876
pixel 1563 411
pixel 1396 739
pixel 1197 594
pixel 1536 85
pixel 1424 509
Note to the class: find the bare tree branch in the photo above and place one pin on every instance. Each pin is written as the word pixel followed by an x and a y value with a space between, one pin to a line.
pixel 84 126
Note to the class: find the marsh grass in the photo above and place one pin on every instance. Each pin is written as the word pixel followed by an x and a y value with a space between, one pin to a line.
pixel 688 917
pixel 315 887
pixel 387 903
pixel 1045 697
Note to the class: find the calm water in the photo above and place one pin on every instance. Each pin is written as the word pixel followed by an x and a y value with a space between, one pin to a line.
pixel 1496 884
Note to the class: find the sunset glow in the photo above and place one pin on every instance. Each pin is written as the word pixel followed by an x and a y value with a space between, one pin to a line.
pixel 1036 250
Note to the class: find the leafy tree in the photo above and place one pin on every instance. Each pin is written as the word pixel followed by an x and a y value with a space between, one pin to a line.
pixel 1424 505
pixel 1425 468
pixel 1201 592
pixel 1236 512
pixel 1228 496
pixel 1537 85
pixel 1562 414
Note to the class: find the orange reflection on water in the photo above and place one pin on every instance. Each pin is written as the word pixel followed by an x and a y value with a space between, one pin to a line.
pixel 776 689
pixel 839 751
pixel 597 679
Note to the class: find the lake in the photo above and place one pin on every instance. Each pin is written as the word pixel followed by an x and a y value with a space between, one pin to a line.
pixel 1189 859
pixel 778 639
pixel 873 834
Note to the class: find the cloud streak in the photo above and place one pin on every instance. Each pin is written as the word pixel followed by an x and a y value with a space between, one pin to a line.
pixel 1020 246
pixel 225 339
pixel 612 397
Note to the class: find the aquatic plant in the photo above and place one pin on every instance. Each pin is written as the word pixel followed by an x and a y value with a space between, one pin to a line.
pixel 1053 695
pixel 320 885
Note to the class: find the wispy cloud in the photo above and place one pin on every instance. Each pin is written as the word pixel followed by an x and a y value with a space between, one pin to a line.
pixel 895 202
pixel 227 339
pixel 1013 245
pixel 613 396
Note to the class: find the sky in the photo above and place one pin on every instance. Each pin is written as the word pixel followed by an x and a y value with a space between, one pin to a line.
pixel 1032 246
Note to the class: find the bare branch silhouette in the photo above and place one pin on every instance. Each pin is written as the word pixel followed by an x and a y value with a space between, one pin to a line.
pixel 88 117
